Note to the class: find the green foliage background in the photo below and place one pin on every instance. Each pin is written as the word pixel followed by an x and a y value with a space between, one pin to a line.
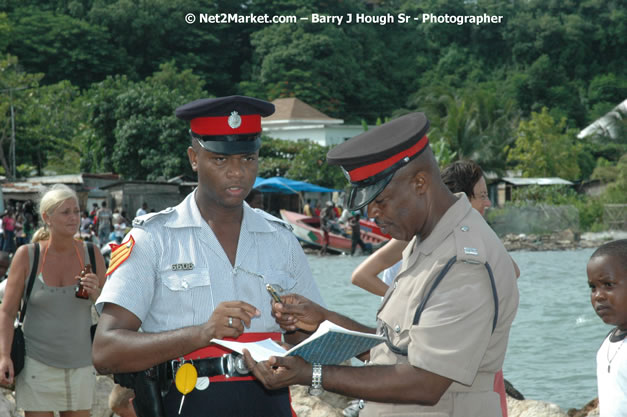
pixel 94 83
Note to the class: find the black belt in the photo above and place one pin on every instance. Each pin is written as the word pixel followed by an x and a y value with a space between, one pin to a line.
pixel 229 364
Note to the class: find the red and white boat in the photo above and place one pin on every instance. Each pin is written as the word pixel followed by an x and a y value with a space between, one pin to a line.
pixel 307 229
pixel 370 226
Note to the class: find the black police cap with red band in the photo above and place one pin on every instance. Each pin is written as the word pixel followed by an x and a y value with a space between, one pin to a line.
pixel 226 125
pixel 370 160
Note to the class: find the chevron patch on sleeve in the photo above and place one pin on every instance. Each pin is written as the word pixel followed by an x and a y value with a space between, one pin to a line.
pixel 119 253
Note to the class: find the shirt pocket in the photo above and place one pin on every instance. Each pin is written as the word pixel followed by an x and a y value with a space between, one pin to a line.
pixel 181 281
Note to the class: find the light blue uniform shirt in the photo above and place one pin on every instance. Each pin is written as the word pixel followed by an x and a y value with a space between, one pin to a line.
pixel 157 285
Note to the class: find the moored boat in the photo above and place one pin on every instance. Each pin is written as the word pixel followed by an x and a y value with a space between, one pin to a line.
pixel 372 227
pixel 307 230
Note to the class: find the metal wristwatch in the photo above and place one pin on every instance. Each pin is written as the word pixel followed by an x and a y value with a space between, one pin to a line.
pixel 316 380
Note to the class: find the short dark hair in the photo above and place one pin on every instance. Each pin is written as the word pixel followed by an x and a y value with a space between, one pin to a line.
pixel 616 249
pixel 461 176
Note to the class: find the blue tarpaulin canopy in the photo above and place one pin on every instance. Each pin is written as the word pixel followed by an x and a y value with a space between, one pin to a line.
pixel 287 186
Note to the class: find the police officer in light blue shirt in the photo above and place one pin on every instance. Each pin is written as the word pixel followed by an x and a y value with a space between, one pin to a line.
pixel 199 271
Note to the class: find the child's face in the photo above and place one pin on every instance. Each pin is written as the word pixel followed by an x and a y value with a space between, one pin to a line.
pixel 607 279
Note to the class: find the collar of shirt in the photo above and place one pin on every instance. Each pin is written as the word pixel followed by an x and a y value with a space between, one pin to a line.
pixel 187 214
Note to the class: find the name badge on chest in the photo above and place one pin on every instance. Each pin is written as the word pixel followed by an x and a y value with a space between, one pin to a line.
pixel 183 267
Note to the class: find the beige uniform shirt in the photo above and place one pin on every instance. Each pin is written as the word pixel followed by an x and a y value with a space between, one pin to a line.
pixel 454 336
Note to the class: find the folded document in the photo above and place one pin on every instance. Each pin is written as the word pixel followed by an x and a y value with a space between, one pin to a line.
pixel 329 345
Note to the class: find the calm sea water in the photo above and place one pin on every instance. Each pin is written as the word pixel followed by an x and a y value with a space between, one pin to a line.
pixel 554 338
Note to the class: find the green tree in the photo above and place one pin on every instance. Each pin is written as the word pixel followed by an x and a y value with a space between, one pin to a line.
pixel 145 140
pixel 276 156
pixel 616 192
pixel 98 139
pixel 5 32
pixel 63 47
pixel 16 89
pixel 605 92
pixel 53 123
pixel 310 165
pixel 154 32
pixel 475 123
pixel 544 148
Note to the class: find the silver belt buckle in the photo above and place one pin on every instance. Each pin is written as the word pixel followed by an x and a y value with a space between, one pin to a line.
pixel 235 365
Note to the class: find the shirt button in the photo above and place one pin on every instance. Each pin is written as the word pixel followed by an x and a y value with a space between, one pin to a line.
pixel 394 284
pixel 397 328
pixel 185 284
pixel 465 228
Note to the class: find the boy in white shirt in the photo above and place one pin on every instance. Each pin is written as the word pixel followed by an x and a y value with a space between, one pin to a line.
pixel 607 278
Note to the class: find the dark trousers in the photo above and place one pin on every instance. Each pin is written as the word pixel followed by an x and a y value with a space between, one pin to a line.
pixel 230 399
pixel 355 242
pixel 8 244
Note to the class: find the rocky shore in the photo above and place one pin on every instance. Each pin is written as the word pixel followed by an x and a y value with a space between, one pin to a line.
pixel 327 405
pixel 564 240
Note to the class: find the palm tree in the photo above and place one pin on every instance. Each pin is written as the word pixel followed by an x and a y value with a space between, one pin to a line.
pixel 475 123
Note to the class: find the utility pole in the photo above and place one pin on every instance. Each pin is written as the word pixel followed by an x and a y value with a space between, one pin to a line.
pixel 12 147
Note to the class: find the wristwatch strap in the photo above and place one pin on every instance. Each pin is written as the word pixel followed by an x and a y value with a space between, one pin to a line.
pixel 316 377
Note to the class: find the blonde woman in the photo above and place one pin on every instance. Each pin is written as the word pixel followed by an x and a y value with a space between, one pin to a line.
pixel 58 374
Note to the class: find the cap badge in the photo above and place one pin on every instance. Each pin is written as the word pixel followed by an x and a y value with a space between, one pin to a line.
pixel 235 120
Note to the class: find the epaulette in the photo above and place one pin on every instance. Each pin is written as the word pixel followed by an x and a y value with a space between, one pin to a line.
pixel 469 246
pixel 148 217
pixel 274 219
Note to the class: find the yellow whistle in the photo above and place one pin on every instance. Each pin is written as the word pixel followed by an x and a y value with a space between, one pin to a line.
pixel 185 379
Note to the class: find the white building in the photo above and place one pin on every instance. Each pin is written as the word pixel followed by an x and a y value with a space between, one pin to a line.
pixel 295 120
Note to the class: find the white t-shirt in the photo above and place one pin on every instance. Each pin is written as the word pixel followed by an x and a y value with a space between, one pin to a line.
pixel 390 273
pixel 612 378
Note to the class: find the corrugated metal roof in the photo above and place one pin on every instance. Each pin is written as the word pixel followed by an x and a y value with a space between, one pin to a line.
pixel 537 181
pixel 58 179
pixel 22 187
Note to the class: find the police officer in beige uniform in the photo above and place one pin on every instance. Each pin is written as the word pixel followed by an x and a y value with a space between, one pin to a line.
pixel 447 315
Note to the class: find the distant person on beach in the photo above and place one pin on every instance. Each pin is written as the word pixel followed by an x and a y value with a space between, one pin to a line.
pixel 607 278
pixel 104 222
pixel 446 322
pixel 142 210
pixel 85 223
pixel 307 209
pixel 317 210
pixel 8 226
pixel 94 211
pixel 353 223
pixel 326 221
